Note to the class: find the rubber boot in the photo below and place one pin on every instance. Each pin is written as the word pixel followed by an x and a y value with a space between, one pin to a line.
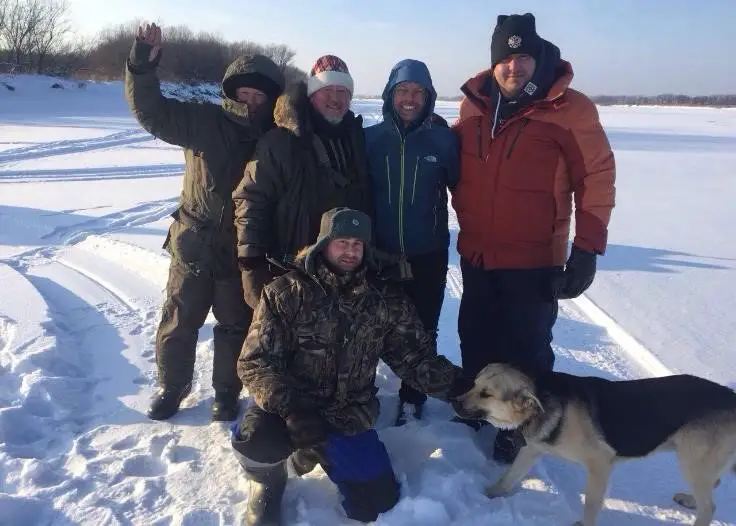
pixel 225 407
pixel 266 485
pixel 167 401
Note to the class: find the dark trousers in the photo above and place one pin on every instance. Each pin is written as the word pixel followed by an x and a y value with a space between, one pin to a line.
pixel 189 298
pixel 506 316
pixel 358 464
pixel 427 292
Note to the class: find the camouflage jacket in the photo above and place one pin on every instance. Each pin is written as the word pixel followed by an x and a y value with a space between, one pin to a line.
pixel 315 342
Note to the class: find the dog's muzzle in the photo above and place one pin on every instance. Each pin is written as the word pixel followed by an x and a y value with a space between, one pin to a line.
pixel 462 412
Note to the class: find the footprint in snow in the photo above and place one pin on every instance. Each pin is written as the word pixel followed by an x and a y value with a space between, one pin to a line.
pixel 124 444
pixel 143 466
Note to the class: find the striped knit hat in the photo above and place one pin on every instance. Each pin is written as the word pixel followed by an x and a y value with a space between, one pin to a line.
pixel 329 70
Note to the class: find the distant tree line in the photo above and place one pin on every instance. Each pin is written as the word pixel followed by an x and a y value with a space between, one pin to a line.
pixel 667 100
pixel 37 37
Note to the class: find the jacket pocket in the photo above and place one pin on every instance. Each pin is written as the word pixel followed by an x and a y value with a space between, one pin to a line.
pixel 191 243
pixel 428 173
pixel 202 176
pixel 313 363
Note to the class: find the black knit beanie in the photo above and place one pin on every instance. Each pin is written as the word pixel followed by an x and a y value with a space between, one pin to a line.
pixel 515 34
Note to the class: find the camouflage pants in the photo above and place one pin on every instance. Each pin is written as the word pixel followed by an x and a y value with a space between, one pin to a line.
pixel 189 298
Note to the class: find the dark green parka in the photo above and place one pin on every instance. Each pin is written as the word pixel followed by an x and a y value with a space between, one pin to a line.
pixel 218 141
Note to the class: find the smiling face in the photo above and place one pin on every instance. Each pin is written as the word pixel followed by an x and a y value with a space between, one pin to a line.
pixel 345 253
pixel 502 396
pixel 409 99
pixel 332 102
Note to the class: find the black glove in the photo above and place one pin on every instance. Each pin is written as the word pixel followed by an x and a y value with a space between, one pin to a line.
pixel 140 57
pixel 577 276
pixel 409 395
pixel 307 429
pixel 461 385
pixel 256 274
pixel 392 267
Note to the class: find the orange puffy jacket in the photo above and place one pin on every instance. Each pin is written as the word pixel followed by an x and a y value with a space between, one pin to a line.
pixel 514 198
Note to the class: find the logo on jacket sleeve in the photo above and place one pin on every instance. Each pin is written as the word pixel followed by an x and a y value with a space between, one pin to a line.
pixel 430 158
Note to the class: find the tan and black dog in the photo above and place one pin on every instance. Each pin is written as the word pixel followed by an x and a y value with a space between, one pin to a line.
pixel 597 422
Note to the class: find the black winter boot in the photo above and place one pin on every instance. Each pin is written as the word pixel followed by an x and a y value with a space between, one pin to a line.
pixel 166 402
pixel 266 485
pixel 225 407
pixel 507 446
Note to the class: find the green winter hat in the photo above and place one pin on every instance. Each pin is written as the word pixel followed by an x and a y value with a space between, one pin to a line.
pixel 337 223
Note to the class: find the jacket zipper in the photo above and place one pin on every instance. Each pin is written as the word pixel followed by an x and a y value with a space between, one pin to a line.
pixel 342 341
pixel 388 179
pixel 480 139
pixel 516 138
pixel 401 190
pixel 414 185
pixel 497 170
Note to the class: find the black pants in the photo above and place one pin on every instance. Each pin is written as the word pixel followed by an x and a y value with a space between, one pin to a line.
pixel 427 292
pixel 506 316
pixel 189 298
pixel 358 464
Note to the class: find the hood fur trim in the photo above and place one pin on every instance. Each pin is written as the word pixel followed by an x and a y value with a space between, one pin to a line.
pixel 292 110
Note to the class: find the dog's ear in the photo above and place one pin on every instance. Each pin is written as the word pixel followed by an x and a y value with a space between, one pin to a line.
pixel 528 400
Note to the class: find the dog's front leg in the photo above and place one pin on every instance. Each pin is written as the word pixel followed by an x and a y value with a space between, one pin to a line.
pixel 599 472
pixel 521 466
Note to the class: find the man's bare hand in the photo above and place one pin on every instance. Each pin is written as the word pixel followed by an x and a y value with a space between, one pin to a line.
pixel 151 35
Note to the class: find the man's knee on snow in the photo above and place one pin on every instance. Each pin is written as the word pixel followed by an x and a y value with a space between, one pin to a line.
pixel 261 437
pixel 360 467
pixel 364 501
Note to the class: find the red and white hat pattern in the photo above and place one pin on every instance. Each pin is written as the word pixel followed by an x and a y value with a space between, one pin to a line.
pixel 329 70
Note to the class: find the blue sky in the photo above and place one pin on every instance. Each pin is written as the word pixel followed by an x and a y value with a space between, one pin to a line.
pixel 615 46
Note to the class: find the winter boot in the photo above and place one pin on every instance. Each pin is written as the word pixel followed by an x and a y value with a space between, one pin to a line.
pixel 303 461
pixel 507 446
pixel 166 402
pixel 409 395
pixel 225 407
pixel 266 485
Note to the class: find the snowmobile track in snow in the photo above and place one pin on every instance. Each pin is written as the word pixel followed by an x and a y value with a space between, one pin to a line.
pixel 53 148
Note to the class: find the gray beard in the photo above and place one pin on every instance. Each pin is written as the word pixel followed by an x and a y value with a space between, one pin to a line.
pixel 333 120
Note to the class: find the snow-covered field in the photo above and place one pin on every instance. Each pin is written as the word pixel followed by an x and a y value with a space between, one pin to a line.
pixel 84 201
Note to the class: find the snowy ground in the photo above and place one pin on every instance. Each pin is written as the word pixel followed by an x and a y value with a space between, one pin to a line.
pixel 84 201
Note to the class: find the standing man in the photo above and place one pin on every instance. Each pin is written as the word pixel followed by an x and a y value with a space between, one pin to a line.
pixel 530 146
pixel 310 364
pixel 314 160
pixel 413 160
pixel 217 142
